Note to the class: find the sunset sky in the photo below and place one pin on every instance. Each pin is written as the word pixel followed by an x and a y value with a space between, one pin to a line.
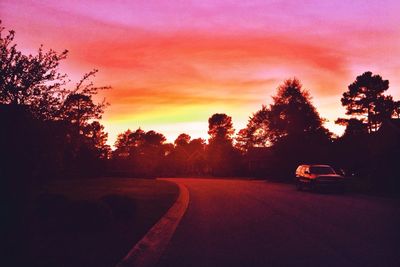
pixel 172 64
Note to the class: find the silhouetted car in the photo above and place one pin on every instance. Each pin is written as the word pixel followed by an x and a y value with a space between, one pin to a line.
pixel 318 176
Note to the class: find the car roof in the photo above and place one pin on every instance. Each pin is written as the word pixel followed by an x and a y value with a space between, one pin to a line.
pixel 314 165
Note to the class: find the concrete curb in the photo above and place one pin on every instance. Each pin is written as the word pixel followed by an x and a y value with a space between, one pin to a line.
pixel 147 252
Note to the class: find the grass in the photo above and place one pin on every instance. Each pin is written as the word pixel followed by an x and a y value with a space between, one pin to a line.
pixel 94 222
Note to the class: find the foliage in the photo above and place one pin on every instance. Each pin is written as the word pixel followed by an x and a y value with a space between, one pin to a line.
pixel 182 140
pixel 222 157
pixel 365 97
pixel 31 80
pixel 78 106
pixel 256 132
pixel 291 114
pixel 186 157
pixel 140 152
pixel 354 127
pixel 33 84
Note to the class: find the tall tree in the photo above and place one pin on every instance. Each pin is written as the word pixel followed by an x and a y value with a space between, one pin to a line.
pixel 290 126
pixel 292 113
pixel 365 97
pixel 34 84
pixel 256 132
pixel 96 138
pixel 34 81
pixel 122 144
pixel 220 128
pixel 222 156
pixel 144 151
pixel 78 106
pixel 30 80
pixel 182 140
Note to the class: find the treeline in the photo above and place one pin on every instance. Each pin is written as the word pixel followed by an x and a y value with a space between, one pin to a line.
pixel 51 128
pixel 141 153
pixel 278 138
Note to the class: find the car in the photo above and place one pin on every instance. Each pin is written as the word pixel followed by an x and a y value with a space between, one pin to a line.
pixel 316 176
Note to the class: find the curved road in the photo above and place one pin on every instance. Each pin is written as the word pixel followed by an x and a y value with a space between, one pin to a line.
pixel 256 223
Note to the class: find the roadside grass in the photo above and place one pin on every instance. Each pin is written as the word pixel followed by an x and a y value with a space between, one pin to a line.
pixel 93 222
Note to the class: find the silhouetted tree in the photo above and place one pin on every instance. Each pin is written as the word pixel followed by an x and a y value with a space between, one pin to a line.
pixel 290 126
pixel 351 150
pixel 187 157
pixel 140 152
pixel 397 109
pixel 222 156
pixel 354 127
pixel 182 140
pixel 197 160
pixel 96 137
pixel 33 83
pixel 154 139
pixel 122 144
pixel 365 97
pixel 78 106
pixel 31 80
pixel 292 113
pixel 180 155
pixel 220 128
pixel 256 132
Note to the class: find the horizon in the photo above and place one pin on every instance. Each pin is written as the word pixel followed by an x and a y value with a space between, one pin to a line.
pixel 172 65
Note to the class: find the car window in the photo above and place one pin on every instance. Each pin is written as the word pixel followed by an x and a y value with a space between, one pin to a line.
pixel 321 170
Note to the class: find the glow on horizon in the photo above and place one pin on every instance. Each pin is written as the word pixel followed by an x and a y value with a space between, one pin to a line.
pixel 172 64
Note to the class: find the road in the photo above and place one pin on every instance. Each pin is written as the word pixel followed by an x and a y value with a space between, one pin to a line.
pixel 258 223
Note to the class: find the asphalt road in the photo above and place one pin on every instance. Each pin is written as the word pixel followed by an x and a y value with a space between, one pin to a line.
pixel 257 223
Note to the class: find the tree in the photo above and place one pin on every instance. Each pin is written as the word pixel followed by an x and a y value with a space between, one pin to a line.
pixel 153 139
pixel 122 144
pixel 33 83
pixel 144 151
pixel 197 158
pixel 290 126
pixel 354 128
pixel 31 80
pixel 256 132
pixel 291 115
pixel 96 138
pixel 220 128
pixel 182 140
pixel 397 109
pixel 365 97
pixel 222 156
pixel 78 106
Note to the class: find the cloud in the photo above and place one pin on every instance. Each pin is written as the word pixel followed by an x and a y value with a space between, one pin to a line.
pixel 183 60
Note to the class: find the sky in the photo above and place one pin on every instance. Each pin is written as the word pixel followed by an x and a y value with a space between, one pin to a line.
pixel 172 64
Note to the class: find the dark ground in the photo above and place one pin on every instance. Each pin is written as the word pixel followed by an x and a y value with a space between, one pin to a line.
pixel 258 223
pixel 88 231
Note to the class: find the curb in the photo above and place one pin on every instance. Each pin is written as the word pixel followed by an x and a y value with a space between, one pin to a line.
pixel 147 252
